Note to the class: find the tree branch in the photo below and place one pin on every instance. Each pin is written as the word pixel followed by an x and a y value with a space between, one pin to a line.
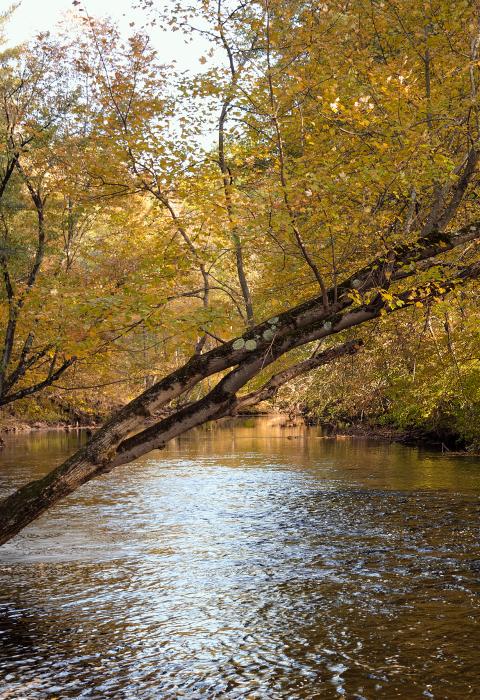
pixel 270 388
pixel 35 388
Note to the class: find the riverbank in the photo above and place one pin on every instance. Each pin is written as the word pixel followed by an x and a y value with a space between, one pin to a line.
pixel 54 414
pixel 13 426
pixel 446 443
pixel 73 419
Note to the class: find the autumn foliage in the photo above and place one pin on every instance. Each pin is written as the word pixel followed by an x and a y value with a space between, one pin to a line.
pixel 148 215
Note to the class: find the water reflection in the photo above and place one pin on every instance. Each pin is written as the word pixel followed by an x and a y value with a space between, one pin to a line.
pixel 247 561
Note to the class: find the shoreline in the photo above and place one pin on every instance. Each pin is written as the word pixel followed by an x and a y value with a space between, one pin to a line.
pixel 412 438
pixel 15 427
pixel 408 438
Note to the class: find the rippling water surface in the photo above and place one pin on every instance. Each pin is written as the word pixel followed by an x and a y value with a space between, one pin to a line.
pixel 246 561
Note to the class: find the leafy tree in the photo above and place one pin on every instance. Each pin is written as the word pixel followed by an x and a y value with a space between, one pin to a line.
pixel 78 273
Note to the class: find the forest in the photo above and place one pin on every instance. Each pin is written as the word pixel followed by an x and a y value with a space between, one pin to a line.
pixel 293 225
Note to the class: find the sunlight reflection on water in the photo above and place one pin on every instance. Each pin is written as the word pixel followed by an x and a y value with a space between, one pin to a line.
pixel 248 561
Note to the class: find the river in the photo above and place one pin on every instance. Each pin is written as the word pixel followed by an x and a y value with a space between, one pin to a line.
pixel 250 560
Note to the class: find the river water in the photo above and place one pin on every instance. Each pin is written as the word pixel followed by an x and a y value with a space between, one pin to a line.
pixel 251 560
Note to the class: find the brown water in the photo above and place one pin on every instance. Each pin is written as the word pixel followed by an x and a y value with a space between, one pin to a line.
pixel 248 561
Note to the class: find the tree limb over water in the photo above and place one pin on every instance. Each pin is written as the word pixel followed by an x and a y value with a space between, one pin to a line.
pixel 364 296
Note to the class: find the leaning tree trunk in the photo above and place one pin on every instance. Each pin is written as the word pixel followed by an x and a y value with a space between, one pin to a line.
pixel 124 437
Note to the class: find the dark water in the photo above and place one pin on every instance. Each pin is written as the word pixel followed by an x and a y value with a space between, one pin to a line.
pixel 239 563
